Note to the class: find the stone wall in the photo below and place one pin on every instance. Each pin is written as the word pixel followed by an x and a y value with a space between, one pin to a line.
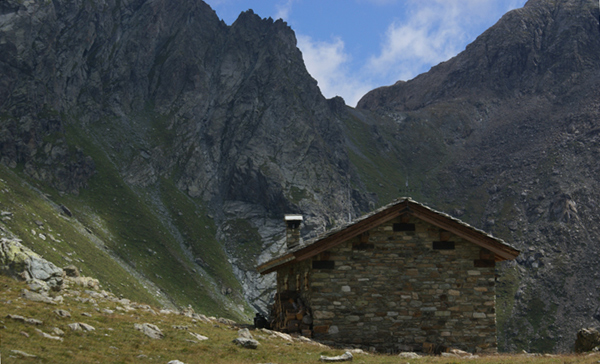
pixel 393 291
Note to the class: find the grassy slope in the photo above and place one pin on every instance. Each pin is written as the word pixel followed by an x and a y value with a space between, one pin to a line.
pixel 386 162
pixel 124 223
pixel 65 241
pixel 160 245
pixel 115 340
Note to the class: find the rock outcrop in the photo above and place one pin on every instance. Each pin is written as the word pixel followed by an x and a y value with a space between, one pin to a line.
pixel 587 340
pixel 19 261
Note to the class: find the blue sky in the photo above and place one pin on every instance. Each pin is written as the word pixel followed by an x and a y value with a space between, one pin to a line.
pixel 353 46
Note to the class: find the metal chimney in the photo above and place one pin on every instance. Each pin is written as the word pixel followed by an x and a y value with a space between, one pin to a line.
pixel 292 231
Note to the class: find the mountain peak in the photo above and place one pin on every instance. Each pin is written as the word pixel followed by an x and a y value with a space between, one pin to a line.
pixel 541 48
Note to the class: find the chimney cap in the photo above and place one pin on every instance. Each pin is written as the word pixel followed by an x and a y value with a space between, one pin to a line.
pixel 293 217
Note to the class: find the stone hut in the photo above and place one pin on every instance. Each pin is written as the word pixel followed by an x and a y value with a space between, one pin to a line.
pixel 402 278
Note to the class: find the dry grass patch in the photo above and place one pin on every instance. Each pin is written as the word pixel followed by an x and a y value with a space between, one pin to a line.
pixel 115 340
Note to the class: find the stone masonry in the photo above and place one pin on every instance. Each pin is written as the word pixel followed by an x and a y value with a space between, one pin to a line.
pixel 397 288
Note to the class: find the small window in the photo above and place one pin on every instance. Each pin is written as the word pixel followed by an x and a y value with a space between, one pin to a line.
pixel 363 246
pixel 443 245
pixel 323 264
pixel 403 226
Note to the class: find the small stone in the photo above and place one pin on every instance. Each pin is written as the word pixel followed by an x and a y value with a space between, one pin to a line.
pixel 80 326
pixel 198 336
pixel 16 317
pixel 409 355
pixel 33 321
pixel 277 334
pixel 48 336
pixel 320 315
pixel 347 356
pixel 23 354
pixel 62 313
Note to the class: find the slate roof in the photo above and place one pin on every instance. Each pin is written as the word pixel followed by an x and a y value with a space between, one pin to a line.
pixel 401 206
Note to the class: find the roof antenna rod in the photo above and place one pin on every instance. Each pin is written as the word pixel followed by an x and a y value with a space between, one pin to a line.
pixel 349 196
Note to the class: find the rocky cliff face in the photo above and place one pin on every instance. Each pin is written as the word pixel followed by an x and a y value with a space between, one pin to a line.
pixel 519 110
pixel 163 93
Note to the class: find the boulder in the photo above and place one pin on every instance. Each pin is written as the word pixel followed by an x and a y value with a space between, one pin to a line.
pixel 587 339
pixel 72 271
pixel 19 261
pixel 149 330
pixel 37 285
pixel 36 297
pixel 246 343
pixel 245 333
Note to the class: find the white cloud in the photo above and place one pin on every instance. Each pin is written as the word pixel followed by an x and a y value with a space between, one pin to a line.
pixel 434 31
pixel 283 10
pixel 328 62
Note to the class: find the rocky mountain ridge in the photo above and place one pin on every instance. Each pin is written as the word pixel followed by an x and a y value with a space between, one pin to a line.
pixel 178 143
pixel 158 98
pixel 519 110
